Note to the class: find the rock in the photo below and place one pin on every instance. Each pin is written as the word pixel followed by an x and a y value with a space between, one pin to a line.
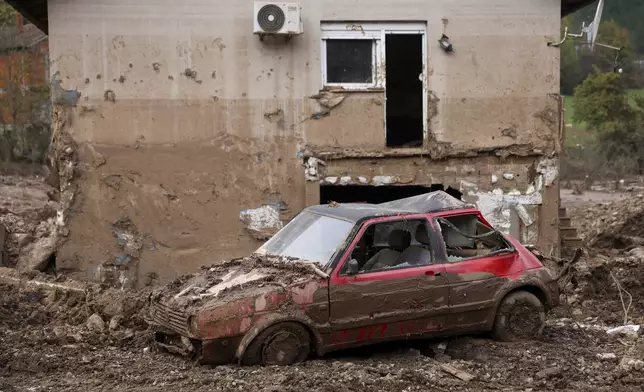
pixel 30 223
pixel 637 253
pixel 262 222
pixel 629 331
pixel 607 356
pixel 35 255
pixel 115 322
pixel 549 373
pixel 60 333
pixel 630 364
pixel 51 298
pixel 573 299
pixel 95 323
pixel 125 335
pixel 146 350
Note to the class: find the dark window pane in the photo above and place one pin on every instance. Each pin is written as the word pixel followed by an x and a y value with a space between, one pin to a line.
pixel 349 61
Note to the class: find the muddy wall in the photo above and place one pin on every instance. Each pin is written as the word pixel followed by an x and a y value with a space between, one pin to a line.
pixel 182 118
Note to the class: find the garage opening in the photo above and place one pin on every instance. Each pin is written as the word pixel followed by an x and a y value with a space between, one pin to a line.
pixel 377 194
pixel 404 91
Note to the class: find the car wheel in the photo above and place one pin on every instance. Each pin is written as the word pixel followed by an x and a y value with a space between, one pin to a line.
pixel 280 344
pixel 521 316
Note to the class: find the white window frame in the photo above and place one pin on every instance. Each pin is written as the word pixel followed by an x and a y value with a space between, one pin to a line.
pixel 331 31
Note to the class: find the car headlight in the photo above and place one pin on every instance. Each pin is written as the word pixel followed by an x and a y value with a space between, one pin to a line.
pixel 193 325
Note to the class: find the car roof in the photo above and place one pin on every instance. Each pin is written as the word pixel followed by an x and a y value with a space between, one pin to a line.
pixel 429 202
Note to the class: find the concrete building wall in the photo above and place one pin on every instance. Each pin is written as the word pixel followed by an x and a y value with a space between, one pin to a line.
pixel 185 118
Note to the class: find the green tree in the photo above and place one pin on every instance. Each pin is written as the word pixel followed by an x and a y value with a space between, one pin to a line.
pixel 601 102
pixel 7 14
pixel 630 14
pixel 613 34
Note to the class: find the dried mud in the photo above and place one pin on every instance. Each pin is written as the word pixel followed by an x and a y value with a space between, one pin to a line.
pixel 276 271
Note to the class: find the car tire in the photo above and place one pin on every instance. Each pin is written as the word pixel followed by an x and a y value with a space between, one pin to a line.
pixel 280 344
pixel 521 316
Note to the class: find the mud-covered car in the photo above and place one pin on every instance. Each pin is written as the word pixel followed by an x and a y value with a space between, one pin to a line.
pixel 344 275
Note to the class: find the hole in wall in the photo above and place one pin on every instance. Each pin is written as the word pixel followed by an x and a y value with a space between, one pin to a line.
pixel 377 194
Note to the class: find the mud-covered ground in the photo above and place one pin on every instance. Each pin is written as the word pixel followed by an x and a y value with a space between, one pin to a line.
pixel 61 335
pixel 95 340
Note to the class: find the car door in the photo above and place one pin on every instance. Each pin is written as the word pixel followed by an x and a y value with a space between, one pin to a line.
pixel 390 303
pixel 475 278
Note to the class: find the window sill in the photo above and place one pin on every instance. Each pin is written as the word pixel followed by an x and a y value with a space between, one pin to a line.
pixel 340 89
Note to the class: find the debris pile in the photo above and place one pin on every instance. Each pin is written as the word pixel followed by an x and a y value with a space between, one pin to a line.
pixel 611 225
pixel 39 308
pixel 28 213
pixel 606 283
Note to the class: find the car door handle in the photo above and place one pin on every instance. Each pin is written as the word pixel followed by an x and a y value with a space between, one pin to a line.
pixel 432 273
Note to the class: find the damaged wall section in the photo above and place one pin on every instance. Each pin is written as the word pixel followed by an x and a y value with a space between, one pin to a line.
pixel 518 195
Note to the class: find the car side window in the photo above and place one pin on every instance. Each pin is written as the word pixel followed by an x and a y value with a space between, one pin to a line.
pixel 466 237
pixel 392 245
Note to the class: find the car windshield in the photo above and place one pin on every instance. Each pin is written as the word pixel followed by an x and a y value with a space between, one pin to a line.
pixel 310 237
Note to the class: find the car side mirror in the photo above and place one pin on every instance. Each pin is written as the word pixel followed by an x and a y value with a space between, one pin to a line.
pixel 353 267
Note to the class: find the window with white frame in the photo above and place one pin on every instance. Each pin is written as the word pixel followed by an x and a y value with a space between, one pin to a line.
pixel 351 56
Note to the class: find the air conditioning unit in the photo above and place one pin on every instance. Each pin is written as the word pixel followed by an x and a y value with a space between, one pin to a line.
pixel 277 19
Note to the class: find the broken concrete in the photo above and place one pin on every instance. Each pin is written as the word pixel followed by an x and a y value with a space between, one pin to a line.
pixel 312 168
pixel 262 222
pixel 29 215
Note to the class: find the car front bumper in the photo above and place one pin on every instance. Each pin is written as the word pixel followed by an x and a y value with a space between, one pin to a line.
pixel 214 352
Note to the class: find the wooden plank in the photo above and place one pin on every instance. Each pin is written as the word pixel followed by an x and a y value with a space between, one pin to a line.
pixel 460 374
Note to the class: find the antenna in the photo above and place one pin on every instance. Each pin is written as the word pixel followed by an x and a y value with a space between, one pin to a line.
pixel 594 25
pixel 591 30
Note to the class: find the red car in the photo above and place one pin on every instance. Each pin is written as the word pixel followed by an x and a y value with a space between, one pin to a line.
pixel 345 275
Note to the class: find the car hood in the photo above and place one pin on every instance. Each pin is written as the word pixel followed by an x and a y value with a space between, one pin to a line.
pixel 235 279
